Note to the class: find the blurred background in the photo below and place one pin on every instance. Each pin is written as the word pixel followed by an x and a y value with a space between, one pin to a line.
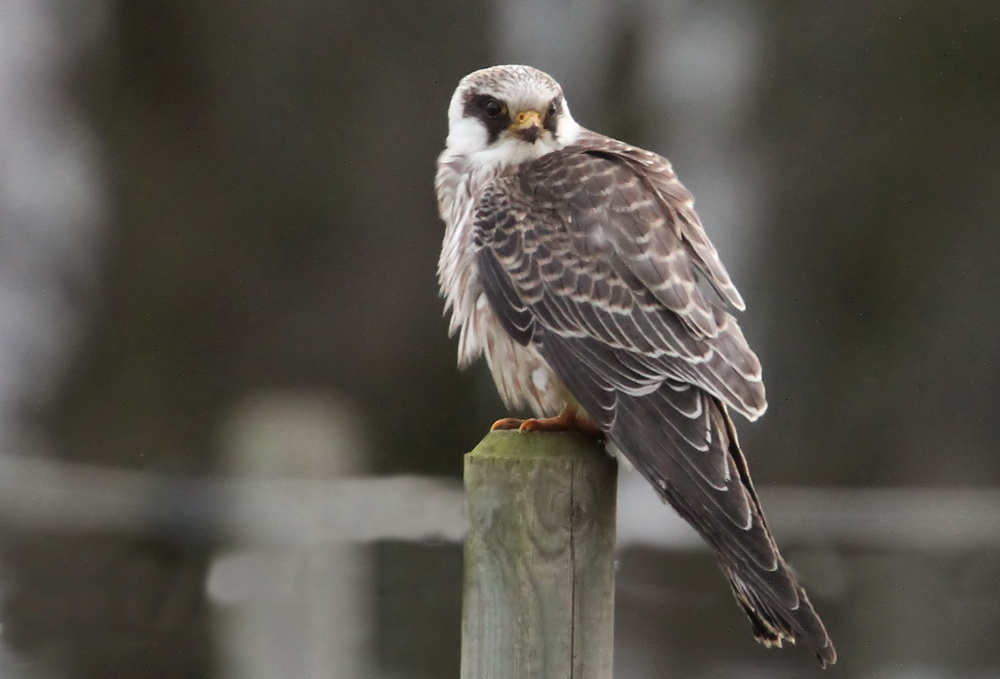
pixel 218 242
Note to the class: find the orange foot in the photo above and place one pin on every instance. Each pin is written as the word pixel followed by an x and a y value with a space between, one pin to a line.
pixel 567 420
pixel 507 424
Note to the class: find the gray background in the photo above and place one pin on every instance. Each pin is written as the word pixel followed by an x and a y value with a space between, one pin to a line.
pixel 207 206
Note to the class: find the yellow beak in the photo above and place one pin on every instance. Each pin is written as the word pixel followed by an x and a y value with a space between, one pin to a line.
pixel 528 124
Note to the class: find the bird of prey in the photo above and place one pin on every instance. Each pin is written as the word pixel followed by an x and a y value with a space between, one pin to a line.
pixel 576 265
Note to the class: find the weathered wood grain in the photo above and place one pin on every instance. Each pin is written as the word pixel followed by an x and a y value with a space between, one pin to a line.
pixel 539 558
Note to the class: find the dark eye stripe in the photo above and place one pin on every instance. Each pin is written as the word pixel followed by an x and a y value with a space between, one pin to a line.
pixel 476 107
pixel 552 115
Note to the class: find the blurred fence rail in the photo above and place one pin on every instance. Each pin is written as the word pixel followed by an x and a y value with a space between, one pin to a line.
pixel 46 493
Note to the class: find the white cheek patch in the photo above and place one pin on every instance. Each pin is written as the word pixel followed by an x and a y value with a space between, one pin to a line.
pixel 569 129
pixel 466 136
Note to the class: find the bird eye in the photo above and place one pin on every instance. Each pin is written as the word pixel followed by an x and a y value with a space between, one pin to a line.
pixel 492 108
pixel 553 109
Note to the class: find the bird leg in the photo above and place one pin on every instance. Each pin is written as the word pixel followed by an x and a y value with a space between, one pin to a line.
pixel 568 420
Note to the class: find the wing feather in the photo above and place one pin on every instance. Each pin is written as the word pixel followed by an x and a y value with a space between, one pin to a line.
pixel 594 255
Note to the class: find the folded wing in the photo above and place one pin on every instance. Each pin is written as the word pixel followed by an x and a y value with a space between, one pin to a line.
pixel 594 255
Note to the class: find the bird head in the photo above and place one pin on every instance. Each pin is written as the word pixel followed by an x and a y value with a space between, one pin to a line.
pixel 509 114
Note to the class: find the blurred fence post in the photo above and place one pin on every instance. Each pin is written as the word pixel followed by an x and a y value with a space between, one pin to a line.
pixel 539 558
pixel 290 611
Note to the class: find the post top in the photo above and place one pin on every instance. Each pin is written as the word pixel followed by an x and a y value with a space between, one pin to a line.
pixel 531 445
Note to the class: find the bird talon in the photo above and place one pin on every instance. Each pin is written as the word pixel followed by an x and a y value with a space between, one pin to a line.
pixel 507 424
pixel 566 421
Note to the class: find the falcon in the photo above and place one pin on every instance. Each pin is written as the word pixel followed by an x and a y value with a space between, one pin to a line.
pixel 576 265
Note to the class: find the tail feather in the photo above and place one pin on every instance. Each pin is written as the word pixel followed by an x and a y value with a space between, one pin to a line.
pixel 681 438
pixel 728 515
pixel 774 625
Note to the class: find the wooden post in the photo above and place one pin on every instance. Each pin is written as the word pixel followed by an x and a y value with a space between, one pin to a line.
pixel 539 558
